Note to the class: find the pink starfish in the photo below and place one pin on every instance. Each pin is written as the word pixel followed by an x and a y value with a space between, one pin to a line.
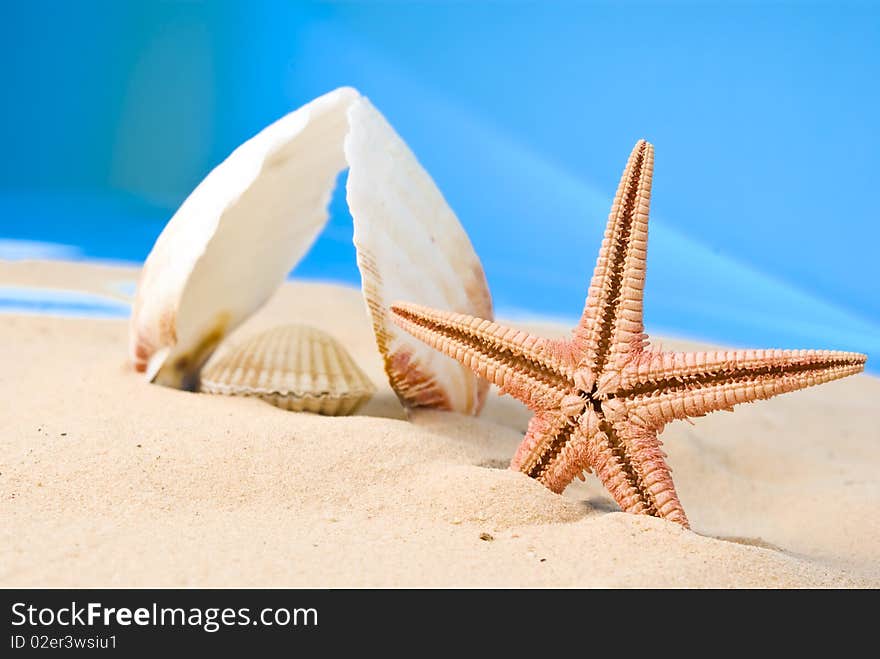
pixel 601 399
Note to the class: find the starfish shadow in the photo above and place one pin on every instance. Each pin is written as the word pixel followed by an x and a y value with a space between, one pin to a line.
pixel 749 542
pixel 600 505
pixel 492 463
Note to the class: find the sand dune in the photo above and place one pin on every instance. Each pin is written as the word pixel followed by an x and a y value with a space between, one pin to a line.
pixel 109 481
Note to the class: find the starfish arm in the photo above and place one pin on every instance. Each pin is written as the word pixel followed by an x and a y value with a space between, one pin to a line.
pixel 611 326
pixel 656 388
pixel 533 369
pixel 626 458
pixel 553 451
pixel 630 463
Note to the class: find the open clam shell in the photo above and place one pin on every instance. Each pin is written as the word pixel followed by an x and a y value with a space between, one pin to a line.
pixel 294 367
pixel 239 233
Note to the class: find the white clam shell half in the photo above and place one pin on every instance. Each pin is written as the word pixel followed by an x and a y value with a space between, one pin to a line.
pixel 250 221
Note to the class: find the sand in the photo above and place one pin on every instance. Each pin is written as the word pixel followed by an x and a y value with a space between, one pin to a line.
pixel 106 480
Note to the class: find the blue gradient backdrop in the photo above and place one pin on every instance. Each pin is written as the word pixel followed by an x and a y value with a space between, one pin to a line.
pixel 764 117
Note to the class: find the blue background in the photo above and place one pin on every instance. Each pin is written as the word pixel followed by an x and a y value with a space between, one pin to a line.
pixel 764 117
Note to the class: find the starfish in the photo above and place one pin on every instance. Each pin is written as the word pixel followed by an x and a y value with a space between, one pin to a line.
pixel 601 399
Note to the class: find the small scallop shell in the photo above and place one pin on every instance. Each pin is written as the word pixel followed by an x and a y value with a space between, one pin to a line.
pixel 294 367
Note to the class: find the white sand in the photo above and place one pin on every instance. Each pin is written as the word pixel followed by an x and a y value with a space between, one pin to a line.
pixel 106 480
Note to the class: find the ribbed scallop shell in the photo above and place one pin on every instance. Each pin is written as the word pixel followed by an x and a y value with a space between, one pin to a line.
pixel 294 367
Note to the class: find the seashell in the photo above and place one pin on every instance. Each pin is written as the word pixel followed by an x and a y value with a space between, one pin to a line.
pixel 240 232
pixel 410 246
pixel 293 367
pixel 235 238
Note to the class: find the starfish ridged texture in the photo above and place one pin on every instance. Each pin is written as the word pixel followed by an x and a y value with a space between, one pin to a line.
pixel 601 399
